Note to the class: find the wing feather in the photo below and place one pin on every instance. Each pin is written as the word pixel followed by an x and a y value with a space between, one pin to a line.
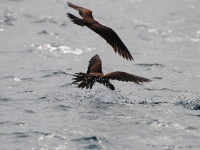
pixel 87 81
pixel 76 20
pixel 123 76
pixel 111 38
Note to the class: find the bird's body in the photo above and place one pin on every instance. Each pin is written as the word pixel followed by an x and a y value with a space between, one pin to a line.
pixel 105 32
pixel 95 74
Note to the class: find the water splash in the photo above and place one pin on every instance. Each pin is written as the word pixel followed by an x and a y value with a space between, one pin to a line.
pixel 189 101
pixel 108 96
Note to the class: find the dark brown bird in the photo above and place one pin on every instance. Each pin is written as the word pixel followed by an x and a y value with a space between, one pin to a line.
pixel 105 32
pixel 95 74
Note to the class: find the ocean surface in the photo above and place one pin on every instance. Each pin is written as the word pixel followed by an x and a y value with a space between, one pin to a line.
pixel 40 108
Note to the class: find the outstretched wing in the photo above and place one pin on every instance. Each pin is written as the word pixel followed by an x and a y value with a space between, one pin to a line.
pixel 123 76
pixel 94 65
pixel 112 38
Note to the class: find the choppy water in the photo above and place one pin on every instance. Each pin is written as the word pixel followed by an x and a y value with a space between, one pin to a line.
pixel 41 49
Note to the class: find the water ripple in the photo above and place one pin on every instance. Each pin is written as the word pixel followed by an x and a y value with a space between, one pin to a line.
pixel 4 99
pixel 47 32
pixel 21 135
pixel 57 73
pixel 62 107
pixel 159 78
pixel 8 19
pixel 29 111
pixel 150 65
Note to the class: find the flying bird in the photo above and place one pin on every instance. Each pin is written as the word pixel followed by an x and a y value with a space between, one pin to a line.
pixel 105 32
pixel 95 74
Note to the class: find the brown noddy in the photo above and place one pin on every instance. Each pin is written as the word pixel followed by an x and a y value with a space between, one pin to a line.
pixel 95 74
pixel 105 32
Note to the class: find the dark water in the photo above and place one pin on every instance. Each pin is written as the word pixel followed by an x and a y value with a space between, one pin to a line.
pixel 41 49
